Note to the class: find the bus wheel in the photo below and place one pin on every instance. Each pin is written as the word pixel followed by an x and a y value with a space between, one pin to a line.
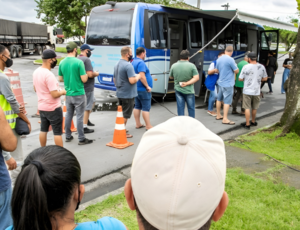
pixel 19 51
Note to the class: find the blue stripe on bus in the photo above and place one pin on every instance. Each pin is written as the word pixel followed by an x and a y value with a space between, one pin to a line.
pixel 157 59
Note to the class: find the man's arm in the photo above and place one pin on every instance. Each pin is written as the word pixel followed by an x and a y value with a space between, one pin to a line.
pixel 8 140
pixel 84 77
pixel 236 71
pixel 190 82
pixel 92 74
pixel 134 79
pixel 56 93
pixel 264 79
pixel 89 69
pixel 5 89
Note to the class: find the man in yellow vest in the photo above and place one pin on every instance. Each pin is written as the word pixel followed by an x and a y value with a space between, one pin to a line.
pixel 10 106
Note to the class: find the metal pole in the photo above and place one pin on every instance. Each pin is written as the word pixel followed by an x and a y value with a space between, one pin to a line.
pixel 198 4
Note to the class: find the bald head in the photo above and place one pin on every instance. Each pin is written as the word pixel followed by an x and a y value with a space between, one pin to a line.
pixel 229 50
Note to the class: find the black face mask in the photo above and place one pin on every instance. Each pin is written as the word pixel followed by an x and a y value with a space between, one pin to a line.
pixel 130 58
pixel 88 54
pixel 53 64
pixel 9 62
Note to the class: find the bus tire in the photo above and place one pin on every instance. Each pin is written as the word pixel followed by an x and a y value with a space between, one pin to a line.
pixel 13 51
pixel 19 51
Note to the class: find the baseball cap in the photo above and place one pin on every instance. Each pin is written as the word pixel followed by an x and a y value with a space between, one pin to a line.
pixel 71 46
pixel 252 55
pixel 48 54
pixel 86 47
pixel 178 174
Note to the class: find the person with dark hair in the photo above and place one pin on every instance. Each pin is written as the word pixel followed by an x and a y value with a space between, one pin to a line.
pixel 125 81
pixel 227 70
pixel 11 108
pixel 239 85
pixel 72 72
pixel 178 181
pixel 48 192
pixel 210 83
pixel 49 93
pixel 8 142
pixel 287 65
pixel 86 52
pixel 271 67
pixel 185 74
pixel 252 75
pixel 144 86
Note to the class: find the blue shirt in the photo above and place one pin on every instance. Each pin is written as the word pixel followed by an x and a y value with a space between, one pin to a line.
pixel 226 66
pixel 140 66
pixel 105 223
pixel 122 72
pixel 5 182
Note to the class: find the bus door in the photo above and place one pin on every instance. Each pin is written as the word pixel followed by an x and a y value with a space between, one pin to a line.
pixel 158 53
pixel 195 43
pixel 269 41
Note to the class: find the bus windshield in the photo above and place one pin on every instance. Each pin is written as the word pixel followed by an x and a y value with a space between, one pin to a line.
pixel 109 28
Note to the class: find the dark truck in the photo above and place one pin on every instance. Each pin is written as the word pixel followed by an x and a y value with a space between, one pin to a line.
pixel 24 37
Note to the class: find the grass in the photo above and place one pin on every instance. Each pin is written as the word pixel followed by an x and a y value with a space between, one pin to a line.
pixel 285 149
pixel 64 50
pixel 254 204
pixel 283 52
pixel 41 61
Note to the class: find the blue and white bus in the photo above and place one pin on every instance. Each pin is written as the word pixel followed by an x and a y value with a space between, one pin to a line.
pixel 164 32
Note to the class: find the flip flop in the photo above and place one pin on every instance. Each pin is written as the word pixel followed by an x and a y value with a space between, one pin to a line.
pixel 142 126
pixel 129 136
pixel 219 118
pixel 229 123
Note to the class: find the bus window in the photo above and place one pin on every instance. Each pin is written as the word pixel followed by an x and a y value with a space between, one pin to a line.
pixel 109 28
pixel 240 37
pixel 221 38
pixel 158 30
pixel 228 36
pixel 196 34
pixel 210 32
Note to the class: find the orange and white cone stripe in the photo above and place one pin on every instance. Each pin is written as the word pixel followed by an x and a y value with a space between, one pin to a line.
pixel 120 139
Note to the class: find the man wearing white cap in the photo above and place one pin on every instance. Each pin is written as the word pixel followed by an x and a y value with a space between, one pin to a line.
pixel 178 181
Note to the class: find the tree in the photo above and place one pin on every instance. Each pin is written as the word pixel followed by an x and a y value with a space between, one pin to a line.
pixel 290 119
pixel 71 15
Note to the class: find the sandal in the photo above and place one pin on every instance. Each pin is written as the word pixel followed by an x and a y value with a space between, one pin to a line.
pixel 229 123
pixel 129 136
pixel 219 118
pixel 142 126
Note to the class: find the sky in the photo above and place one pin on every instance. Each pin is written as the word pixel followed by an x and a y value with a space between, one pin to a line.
pixel 24 10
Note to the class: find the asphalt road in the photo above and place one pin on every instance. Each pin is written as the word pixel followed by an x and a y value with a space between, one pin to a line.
pixel 97 159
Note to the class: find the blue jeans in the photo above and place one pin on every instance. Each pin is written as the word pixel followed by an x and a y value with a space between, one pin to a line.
pixel 5 210
pixel 285 76
pixel 211 100
pixel 189 99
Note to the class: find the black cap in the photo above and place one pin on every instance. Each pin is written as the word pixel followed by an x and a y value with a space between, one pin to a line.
pixel 252 55
pixel 48 54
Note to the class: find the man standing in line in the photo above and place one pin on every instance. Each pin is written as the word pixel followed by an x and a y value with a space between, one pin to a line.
pixel 287 64
pixel 252 75
pixel 239 86
pixel 185 74
pixel 8 142
pixel 125 80
pixel 11 107
pixel 49 93
pixel 144 86
pixel 227 68
pixel 72 72
pixel 89 85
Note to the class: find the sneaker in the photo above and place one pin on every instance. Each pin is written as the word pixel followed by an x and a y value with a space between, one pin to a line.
pixel 85 142
pixel 90 123
pixel 69 139
pixel 253 123
pixel 87 130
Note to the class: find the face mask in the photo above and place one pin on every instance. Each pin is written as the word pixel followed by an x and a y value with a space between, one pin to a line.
pixel 130 58
pixel 8 62
pixel 53 64
pixel 88 54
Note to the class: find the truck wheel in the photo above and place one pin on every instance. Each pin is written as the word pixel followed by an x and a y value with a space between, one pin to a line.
pixel 59 41
pixel 38 50
pixel 53 47
pixel 44 47
pixel 13 51
pixel 19 51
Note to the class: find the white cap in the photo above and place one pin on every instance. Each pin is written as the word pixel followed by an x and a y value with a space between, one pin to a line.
pixel 178 174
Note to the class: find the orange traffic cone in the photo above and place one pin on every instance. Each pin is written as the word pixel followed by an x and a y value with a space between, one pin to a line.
pixel 73 129
pixel 120 139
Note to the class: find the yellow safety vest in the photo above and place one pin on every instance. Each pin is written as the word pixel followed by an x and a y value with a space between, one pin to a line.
pixel 9 113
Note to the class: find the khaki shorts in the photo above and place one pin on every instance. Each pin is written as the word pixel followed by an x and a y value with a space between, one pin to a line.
pixel 251 102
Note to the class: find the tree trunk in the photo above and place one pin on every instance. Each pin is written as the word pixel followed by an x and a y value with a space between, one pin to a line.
pixel 290 119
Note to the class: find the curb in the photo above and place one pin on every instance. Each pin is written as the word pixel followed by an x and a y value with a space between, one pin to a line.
pixel 36 63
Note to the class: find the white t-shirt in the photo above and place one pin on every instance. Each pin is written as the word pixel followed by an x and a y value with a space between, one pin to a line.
pixel 211 66
pixel 252 75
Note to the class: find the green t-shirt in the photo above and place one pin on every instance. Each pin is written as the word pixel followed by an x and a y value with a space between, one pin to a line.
pixel 183 71
pixel 238 83
pixel 71 69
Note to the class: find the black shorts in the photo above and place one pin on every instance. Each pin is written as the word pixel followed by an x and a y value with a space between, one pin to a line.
pixel 127 106
pixel 53 118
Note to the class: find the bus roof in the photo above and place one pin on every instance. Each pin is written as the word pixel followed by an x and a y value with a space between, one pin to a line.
pixel 244 17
